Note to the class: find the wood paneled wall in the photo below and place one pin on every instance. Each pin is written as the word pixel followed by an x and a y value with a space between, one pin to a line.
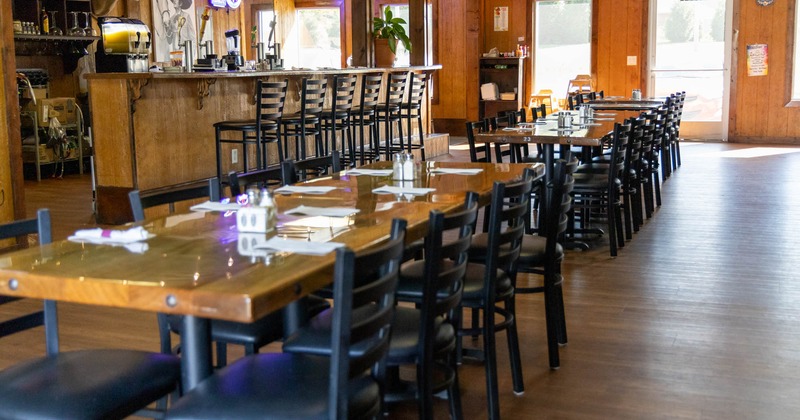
pixel 619 30
pixel 759 111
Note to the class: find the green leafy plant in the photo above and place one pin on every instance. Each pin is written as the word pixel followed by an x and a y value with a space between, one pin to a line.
pixel 391 29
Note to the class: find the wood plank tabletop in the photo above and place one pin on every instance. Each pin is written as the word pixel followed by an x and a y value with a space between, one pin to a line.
pixel 196 264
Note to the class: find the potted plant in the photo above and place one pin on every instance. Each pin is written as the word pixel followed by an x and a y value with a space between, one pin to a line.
pixel 387 30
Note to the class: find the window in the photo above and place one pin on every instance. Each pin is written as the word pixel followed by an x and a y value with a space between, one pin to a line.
pixel 562 36
pixel 401 11
pixel 316 38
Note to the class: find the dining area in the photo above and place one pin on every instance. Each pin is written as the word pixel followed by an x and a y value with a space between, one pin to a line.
pixel 206 268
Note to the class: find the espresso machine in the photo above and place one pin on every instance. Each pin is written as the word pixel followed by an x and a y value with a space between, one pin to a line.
pixel 124 45
pixel 233 41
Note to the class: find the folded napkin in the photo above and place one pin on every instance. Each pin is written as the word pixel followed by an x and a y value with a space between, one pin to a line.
pixel 299 246
pixel 106 236
pixel 387 189
pixel 214 206
pixel 456 171
pixel 323 211
pixel 373 172
pixel 288 189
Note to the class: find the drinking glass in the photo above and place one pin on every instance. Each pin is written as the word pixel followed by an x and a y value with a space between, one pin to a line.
pixel 75 30
pixel 54 29
pixel 88 30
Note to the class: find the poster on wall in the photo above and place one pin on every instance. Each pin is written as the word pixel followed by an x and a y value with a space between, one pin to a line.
pixel 501 19
pixel 174 21
pixel 757 60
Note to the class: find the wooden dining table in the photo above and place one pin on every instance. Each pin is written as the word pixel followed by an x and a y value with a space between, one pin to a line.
pixel 546 132
pixel 197 264
pixel 616 103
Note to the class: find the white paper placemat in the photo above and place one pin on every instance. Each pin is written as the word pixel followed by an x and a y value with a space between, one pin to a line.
pixel 456 171
pixel 300 246
pixel 387 189
pixel 288 189
pixel 373 172
pixel 323 211
pixel 214 206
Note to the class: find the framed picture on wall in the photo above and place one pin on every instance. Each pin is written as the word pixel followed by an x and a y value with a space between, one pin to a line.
pixel 174 21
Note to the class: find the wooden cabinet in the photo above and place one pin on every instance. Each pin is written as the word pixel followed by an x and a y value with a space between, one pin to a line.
pixel 507 74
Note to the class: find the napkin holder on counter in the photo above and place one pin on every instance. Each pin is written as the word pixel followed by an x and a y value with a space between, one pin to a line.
pixel 254 219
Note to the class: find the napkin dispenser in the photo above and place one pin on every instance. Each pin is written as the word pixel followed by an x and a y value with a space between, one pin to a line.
pixel 255 219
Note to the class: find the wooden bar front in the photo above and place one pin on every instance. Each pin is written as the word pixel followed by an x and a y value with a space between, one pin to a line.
pixel 153 130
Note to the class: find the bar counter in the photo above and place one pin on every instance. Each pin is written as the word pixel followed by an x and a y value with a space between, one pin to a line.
pixel 152 130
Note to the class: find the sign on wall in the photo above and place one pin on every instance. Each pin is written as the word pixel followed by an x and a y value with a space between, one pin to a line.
pixel 501 19
pixel 757 60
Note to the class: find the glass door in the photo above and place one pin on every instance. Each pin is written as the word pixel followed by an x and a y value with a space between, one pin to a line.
pixel 690 51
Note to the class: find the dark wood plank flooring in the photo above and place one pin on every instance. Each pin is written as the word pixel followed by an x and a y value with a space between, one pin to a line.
pixel 698 317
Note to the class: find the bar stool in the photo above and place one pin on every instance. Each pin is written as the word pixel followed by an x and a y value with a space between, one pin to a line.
pixel 337 118
pixel 388 112
pixel 264 129
pixel 307 121
pixel 411 109
pixel 363 115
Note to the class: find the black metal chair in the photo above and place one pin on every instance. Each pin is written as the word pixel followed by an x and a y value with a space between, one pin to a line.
pixel 598 193
pixel 543 254
pixel 263 178
pixel 264 129
pixel 336 119
pixel 425 336
pixel 334 385
pixel 478 152
pixel 411 109
pixel 40 225
pixel 307 121
pixel 388 111
pixel 171 195
pixel 363 116
pixel 490 281
pixel 85 384
pixel 251 336
pixel 301 170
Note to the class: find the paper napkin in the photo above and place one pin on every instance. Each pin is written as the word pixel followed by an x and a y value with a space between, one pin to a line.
pixel 288 189
pixel 387 189
pixel 323 211
pixel 300 246
pixel 373 172
pixel 456 171
pixel 106 236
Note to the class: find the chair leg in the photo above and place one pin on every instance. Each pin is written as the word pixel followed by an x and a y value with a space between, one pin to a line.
pixel 421 136
pixel 552 322
pixel 222 354
pixel 489 350
pixel 217 133
pixel 657 188
pixel 513 347
pixel 425 388
pixel 454 391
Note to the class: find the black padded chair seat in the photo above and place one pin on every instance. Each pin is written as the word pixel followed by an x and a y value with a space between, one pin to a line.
pixel 277 386
pixel 409 287
pixel 245 125
pixel 297 119
pixel 86 384
pixel 315 337
pixel 405 336
pixel 473 283
pixel 531 252
pixel 259 333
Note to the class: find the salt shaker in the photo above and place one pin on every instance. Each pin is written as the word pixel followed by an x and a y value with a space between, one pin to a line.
pixel 397 166
pixel 408 167
pixel 268 203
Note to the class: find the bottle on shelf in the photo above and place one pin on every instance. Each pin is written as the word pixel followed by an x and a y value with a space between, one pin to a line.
pixel 45 23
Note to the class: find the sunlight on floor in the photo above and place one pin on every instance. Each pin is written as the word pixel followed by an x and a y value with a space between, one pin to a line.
pixel 754 152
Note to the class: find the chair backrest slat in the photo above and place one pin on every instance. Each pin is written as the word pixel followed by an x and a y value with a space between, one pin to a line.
pixel 170 196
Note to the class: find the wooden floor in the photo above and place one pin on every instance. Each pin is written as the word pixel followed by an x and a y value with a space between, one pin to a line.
pixel 698 317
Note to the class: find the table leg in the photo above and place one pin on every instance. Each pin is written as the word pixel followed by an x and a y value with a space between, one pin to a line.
pixel 196 363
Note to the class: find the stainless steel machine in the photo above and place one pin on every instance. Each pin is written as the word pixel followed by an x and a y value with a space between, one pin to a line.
pixel 233 42
pixel 124 45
